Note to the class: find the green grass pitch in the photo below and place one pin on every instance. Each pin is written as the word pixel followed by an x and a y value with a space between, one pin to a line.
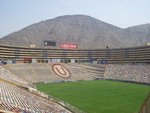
pixel 99 96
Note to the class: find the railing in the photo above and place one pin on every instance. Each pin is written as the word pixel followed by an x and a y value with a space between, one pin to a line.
pixel 66 105
pixel 146 105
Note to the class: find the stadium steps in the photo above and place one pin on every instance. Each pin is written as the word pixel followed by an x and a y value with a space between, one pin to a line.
pixel 31 72
pixel 76 73
pixel 16 99
pixel 40 72
pixel 95 69
pixel 137 72
pixel 11 77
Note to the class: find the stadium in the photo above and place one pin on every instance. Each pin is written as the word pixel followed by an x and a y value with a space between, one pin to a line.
pixel 73 80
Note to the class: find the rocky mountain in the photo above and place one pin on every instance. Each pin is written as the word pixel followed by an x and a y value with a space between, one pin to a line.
pixel 83 30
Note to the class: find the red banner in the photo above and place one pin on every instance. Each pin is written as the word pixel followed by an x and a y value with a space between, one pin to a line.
pixel 68 46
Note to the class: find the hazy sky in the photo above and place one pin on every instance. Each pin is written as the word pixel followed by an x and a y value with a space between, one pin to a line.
pixel 17 14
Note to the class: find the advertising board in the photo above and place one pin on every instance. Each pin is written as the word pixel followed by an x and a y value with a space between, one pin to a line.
pixel 68 46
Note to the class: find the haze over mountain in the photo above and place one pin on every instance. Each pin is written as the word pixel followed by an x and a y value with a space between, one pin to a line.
pixel 83 30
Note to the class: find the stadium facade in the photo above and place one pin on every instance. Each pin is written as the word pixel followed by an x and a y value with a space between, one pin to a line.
pixel 123 55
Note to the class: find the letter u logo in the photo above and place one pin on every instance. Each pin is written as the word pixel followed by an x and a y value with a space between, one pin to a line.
pixel 61 70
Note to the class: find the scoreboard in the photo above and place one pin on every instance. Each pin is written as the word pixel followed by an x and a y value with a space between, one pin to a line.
pixel 49 43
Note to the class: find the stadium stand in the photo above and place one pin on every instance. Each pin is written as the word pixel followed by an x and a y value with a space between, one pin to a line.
pixel 16 78
pixel 122 55
pixel 138 72
pixel 43 72
pixel 96 69
pixel 128 72
pixel 18 100
pixel 12 78
pixel 39 72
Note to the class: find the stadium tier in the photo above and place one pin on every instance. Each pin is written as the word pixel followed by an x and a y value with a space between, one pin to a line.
pixel 18 100
pixel 19 96
pixel 128 55
pixel 139 72
pixel 6 75
pixel 39 72
pixel 44 72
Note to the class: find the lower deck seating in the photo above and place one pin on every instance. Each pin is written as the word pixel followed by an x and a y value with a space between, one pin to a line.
pixel 18 100
pixel 14 97
pixel 44 72
pixel 129 72
pixel 10 77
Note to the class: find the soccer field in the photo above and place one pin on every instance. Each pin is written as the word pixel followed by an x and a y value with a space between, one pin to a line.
pixel 99 96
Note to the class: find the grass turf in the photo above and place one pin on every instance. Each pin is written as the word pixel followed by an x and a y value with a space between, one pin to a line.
pixel 99 96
